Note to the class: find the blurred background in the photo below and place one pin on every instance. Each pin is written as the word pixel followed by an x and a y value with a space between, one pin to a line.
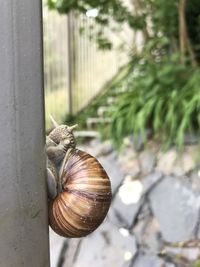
pixel 127 71
pixel 77 67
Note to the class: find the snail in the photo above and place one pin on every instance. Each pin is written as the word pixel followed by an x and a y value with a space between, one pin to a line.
pixel 78 187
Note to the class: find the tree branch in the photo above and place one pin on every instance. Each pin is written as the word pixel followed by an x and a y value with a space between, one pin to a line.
pixel 184 41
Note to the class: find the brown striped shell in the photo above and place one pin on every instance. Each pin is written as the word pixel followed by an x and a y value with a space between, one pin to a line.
pixel 85 196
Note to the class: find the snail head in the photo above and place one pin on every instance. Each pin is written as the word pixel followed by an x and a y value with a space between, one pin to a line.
pixel 63 134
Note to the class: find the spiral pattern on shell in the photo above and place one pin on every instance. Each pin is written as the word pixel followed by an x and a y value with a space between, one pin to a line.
pixel 85 197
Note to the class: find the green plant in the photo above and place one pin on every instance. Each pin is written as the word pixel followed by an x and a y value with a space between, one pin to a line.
pixel 197 263
pixel 163 97
pixel 162 91
pixel 107 12
pixel 151 17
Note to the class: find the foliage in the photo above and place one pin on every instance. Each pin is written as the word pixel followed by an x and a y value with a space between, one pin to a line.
pixel 109 11
pixel 163 97
pixel 153 17
pixel 162 91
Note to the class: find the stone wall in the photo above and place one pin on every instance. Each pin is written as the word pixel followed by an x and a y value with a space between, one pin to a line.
pixel 154 219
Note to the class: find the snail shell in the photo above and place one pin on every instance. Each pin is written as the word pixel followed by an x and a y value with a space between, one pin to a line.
pixel 84 197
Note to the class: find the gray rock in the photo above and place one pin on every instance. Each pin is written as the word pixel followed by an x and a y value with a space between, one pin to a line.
pixel 166 161
pixel 127 203
pixel 152 237
pixel 171 162
pixel 122 214
pixel 93 143
pixel 142 222
pixel 128 159
pixel 147 160
pixel 176 207
pixel 185 162
pixel 194 178
pixel 105 148
pixel 139 230
pixel 147 231
pixel 191 139
pixel 169 264
pixel 189 254
pixel 71 252
pixel 97 148
pixel 148 260
pixel 130 198
pixel 151 180
pixel 108 246
pixel 56 244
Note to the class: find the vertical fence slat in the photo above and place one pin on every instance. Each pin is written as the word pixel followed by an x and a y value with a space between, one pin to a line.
pixel 88 68
pixel 23 203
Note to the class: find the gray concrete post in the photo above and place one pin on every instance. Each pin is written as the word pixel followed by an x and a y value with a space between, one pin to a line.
pixel 23 203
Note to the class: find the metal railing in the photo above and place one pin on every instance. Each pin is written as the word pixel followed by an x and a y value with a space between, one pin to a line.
pixel 75 69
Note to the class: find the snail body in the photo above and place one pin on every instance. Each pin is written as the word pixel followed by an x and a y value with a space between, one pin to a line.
pixel 81 193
